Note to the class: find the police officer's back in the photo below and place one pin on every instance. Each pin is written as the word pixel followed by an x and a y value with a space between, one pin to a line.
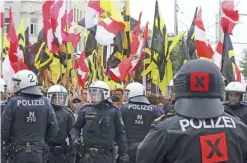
pixel 101 123
pixel 235 91
pixel 200 131
pixel 58 147
pixel 138 115
pixel 28 119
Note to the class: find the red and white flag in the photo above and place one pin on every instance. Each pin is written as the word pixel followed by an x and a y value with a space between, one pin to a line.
pixel 135 36
pixel 217 57
pixel 230 16
pixel 129 64
pixel 13 40
pixel 48 32
pixel 203 47
pixel 107 29
pixel 9 70
pixel 82 69
pixel 92 13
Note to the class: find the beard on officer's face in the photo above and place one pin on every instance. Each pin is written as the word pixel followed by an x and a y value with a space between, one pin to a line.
pixel 234 98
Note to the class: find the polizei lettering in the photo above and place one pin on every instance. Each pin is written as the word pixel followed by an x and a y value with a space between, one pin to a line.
pixel 141 107
pixel 30 102
pixel 220 122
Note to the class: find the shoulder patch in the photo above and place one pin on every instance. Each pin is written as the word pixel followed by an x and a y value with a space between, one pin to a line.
pixel 163 117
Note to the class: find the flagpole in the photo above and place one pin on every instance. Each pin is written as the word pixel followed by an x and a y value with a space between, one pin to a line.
pixel 66 46
pixel 1 60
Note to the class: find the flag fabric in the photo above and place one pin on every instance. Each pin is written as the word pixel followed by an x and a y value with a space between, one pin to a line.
pixel 230 16
pixel 126 34
pixel 217 57
pixel 2 9
pixel 185 53
pixel 65 33
pixel 37 57
pixel 190 42
pixel 82 69
pixel 9 69
pixel 52 43
pixel 92 13
pixel 129 64
pixel 57 11
pixel 159 47
pixel 229 68
pixel 203 48
pixel 12 37
pixel 21 35
pixel 135 36
pixel 110 25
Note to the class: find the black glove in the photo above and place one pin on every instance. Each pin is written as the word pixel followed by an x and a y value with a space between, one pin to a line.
pixel 77 144
pixel 123 159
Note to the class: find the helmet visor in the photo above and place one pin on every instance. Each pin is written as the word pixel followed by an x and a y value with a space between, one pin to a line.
pixel 15 85
pixel 126 95
pixel 95 95
pixel 60 99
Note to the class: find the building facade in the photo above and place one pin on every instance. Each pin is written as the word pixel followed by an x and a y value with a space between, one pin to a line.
pixel 31 12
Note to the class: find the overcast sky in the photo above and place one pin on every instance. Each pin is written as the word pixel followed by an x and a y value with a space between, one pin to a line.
pixel 185 15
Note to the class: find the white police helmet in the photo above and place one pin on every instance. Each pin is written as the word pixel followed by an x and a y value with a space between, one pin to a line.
pixel 235 87
pixel 135 92
pixel 25 81
pixel 58 95
pixel 98 91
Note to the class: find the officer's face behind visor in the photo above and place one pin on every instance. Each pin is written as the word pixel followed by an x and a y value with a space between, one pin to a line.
pixel 60 99
pixel 15 85
pixel 126 95
pixel 234 98
pixel 95 95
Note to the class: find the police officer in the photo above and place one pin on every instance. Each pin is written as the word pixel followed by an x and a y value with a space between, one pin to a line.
pixel 58 147
pixel 28 119
pixel 169 108
pixel 101 123
pixel 138 115
pixel 201 131
pixel 3 94
pixel 235 91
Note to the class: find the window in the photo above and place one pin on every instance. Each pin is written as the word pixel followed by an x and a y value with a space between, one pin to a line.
pixel 78 15
pixel 6 24
pixel 34 26
pixel 74 14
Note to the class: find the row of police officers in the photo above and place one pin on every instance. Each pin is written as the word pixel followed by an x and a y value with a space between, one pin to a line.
pixel 197 128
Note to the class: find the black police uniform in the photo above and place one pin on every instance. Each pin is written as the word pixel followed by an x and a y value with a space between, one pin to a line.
pixel 240 110
pixel 27 122
pixel 101 125
pixel 200 132
pixel 2 105
pixel 137 118
pixel 168 142
pixel 58 147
